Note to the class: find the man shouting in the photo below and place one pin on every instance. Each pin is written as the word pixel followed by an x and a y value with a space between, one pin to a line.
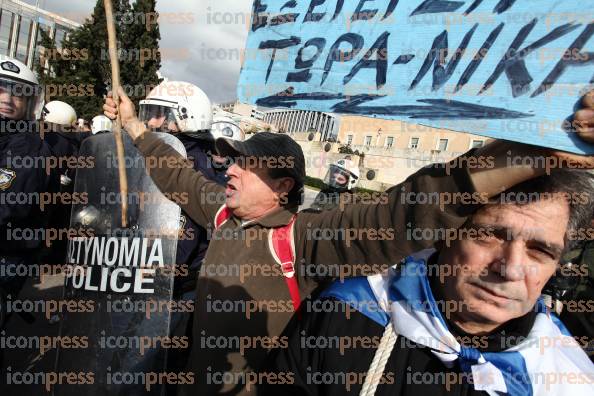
pixel 264 258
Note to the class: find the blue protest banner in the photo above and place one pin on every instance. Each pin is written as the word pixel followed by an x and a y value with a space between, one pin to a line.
pixel 520 67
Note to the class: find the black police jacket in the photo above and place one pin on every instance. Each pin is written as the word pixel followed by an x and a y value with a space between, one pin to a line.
pixel 26 181
pixel 193 242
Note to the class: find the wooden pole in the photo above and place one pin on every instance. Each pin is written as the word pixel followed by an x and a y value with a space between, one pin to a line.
pixel 117 130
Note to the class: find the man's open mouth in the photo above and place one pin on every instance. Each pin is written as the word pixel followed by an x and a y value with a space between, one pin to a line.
pixel 230 190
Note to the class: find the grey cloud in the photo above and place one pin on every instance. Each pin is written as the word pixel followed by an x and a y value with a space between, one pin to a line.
pixel 209 46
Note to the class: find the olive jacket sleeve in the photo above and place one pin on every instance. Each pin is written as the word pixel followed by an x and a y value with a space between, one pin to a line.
pixel 368 236
pixel 199 197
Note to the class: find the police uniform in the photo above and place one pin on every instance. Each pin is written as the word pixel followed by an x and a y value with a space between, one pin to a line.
pixel 23 178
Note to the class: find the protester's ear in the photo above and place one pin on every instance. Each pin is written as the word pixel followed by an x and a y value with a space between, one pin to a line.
pixel 285 185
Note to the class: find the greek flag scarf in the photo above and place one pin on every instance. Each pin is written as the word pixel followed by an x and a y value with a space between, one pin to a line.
pixel 546 362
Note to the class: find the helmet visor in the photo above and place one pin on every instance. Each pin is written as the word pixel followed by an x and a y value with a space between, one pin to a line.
pixel 156 117
pixel 337 178
pixel 19 101
pixel 224 129
pixel 227 131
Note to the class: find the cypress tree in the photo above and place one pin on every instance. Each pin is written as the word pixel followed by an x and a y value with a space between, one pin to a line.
pixel 84 80
pixel 144 33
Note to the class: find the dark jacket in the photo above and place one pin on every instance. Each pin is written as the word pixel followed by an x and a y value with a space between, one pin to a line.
pixel 23 178
pixel 193 242
pixel 580 322
pixel 65 147
pixel 330 350
pixel 239 273
pixel 330 198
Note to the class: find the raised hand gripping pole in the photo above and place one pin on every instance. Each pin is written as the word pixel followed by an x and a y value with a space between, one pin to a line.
pixel 117 130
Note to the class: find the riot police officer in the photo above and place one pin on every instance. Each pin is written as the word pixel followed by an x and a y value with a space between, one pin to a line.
pixel 341 179
pixel 58 112
pixel 224 127
pixel 184 110
pixel 101 124
pixel 64 138
pixel 25 178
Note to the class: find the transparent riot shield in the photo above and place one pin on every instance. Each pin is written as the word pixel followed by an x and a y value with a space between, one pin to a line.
pixel 119 281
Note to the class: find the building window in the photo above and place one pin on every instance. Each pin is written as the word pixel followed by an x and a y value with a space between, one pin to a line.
pixel 24 38
pixel 349 140
pixel 414 143
pixel 368 140
pixel 38 48
pixel 477 144
pixel 6 20
pixel 60 37
pixel 389 142
pixel 443 145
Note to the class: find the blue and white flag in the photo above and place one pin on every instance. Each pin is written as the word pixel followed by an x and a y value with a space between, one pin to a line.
pixel 546 362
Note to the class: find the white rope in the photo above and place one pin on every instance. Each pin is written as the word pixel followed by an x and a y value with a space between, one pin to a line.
pixel 380 359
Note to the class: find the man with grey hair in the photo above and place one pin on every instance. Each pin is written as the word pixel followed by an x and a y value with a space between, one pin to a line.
pixel 467 318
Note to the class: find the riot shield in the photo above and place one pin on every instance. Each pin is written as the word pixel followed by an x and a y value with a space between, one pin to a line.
pixel 119 281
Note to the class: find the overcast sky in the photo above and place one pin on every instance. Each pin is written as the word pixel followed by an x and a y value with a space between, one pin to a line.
pixel 203 48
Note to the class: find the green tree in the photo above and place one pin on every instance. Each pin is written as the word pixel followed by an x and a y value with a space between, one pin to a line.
pixel 144 33
pixel 80 73
pixel 54 70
